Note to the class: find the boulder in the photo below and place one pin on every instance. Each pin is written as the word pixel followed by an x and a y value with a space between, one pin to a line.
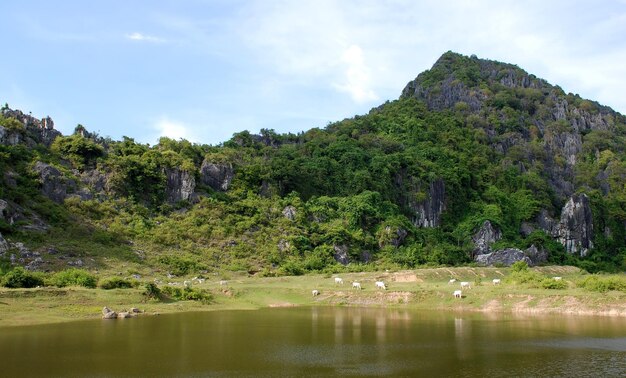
pixel 107 313
pixel 484 237
pixel 536 255
pixel 504 257
pixel 123 315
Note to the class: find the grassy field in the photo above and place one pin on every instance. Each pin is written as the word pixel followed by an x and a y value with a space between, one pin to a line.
pixel 419 289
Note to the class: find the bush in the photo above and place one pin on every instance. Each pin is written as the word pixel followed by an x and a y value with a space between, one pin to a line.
pixel 188 294
pixel 291 268
pixel 551 283
pixel 152 291
pixel 20 278
pixel 603 284
pixel 117 283
pixel 528 277
pixel 519 266
pixel 74 277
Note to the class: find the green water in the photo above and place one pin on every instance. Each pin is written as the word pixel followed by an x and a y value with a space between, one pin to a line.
pixel 320 342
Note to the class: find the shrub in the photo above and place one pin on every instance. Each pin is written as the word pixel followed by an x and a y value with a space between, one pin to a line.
pixel 20 278
pixel 152 291
pixel 291 268
pixel 74 277
pixel 528 277
pixel 117 283
pixel 551 283
pixel 519 266
pixel 603 284
pixel 188 294
pixel 181 266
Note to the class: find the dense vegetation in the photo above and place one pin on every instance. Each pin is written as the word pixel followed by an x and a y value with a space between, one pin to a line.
pixel 353 186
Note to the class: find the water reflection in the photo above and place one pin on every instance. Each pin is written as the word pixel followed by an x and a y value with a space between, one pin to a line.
pixel 323 342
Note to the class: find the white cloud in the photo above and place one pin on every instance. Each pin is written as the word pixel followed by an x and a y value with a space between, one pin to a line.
pixel 166 127
pixel 136 36
pixel 357 76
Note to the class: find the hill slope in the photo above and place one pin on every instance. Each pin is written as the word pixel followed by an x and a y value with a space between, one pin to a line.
pixel 477 160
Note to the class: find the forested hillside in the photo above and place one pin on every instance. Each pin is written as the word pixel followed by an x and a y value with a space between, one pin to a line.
pixel 476 162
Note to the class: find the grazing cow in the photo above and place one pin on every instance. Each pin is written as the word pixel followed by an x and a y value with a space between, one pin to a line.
pixel 465 284
pixel 496 281
pixel 557 278
pixel 223 282
pixel 338 281
pixel 315 293
pixel 452 281
pixel 187 284
pixel 458 294
pixel 381 285
pixel 356 285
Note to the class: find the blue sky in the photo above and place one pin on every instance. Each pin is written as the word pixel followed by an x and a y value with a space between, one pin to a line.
pixel 203 70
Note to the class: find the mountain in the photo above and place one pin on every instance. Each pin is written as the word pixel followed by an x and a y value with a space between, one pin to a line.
pixel 476 161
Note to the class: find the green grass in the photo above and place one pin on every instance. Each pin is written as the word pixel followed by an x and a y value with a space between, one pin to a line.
pixel 418 289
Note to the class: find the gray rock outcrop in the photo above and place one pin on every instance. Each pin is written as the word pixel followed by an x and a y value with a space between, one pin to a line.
pixel 486 235
pixel 4 245
pixel 33 130
pixel 107 313
pixel 533 256
pixel 289 212
pixel 216 176
pixel 180 185
pixel 341 254
pixel 53 184
pixel 536 255
pixel 504 257
pixel 392 235
pixel 575 229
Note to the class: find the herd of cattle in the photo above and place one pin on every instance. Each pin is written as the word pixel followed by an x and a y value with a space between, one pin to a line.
pixel 381 285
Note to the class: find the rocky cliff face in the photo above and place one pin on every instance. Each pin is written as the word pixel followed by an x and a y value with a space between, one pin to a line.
pixel 216 176
pixel 53 184
pixel 484 237
pixel 575 229
pixel 33 130
pixel 180 185
pixel 427 213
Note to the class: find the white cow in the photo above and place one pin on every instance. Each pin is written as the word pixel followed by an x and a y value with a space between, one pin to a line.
pixel 458 294
pixel 557 278
pixel 381 285
pixel 356 285
pixel 315 293
pixel 223 282
pixel 496 281
pixel 465 284
pixel 452 281
pixel 338 281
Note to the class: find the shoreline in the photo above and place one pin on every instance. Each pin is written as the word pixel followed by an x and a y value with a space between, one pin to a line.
pixel 422 289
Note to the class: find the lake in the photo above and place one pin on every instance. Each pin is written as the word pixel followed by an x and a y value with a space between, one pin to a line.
pixel 320 341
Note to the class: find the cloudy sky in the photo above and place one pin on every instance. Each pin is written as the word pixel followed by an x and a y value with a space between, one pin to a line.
pixel 205 69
